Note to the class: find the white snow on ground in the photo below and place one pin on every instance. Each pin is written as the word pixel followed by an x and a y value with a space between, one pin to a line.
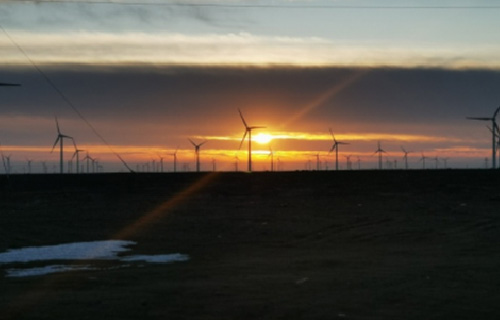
pixel 102 250
pixel 94 250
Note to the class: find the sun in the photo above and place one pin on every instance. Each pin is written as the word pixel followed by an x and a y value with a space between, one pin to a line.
pixel 262 138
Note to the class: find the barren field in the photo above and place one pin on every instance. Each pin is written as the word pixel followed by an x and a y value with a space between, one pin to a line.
pixel 285 245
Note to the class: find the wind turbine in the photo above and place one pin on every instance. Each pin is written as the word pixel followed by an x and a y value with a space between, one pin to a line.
pixel 197 152
pixel 495 127
pixel 436 159
pixel 348 162
pixel 335 147
pixel 88 158
pixel 379 151
pixel 76 154
pixel 29 161
pixel 405 157
pixel 423 160
pixel 60 138
pixel 248 130
pixel 161 162
pixel 6 163
pixel 318 162
pixel 175 158
pixel 271 154
pixel 236 160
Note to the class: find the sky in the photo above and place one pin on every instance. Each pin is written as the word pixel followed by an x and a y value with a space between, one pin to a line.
pixel 136 79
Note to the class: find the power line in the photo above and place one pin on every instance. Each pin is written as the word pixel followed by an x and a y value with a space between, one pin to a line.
pixel 268 6
pixel 65 98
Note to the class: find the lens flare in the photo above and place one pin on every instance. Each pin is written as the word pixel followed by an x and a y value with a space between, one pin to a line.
pixel 262 138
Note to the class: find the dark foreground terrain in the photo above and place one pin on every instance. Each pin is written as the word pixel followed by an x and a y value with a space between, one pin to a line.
pixel 301 245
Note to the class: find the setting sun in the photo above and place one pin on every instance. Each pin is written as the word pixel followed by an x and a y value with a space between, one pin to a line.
pixel 262 138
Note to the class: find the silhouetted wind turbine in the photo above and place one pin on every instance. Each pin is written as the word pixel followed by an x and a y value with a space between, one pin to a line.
pixel 76 154
pixel 161 162
pixel 495 126
pixel 88 158
pixel 29 161
pixel 60 138
pixel 236 160
pixel 271 154
pixel 348 162
pixel 197 152
pixel 335 147
pixel 405 157
pixel 423 160
pixel 379 151
pixel 175 158
pixel 248 130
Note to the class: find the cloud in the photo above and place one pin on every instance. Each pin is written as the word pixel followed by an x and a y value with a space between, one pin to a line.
pixel 232 49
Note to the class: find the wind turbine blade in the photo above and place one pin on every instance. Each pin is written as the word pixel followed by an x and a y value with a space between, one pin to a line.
pixel 481 119
pixel 74 154
pixel 203 143
pixel 242 119
pixel 9 84
pixel 257 127
pixel 331 132
pixel 243 139
pixel 57 125
pixel 194 144
pixel 55 143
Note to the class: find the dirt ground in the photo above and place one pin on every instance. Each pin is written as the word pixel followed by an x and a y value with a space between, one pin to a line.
pixel 285 245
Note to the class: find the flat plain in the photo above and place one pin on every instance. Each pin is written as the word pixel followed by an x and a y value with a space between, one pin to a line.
pixel 416 244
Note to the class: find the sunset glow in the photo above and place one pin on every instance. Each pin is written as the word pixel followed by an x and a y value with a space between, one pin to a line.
pixel 131 83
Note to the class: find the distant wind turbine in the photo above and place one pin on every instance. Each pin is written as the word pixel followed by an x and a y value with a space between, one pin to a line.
pixel 495 127
pixel 423 160
pixel 88 158
pixel 60 138
pixel 248 130
pixel 335 147
pixel 271 155
pixel 175 158
pixel 436 159
pixel 380 151
pixel 161 162
pixel 197 152
pixel 405 157
pixel 77 155
pixel 348 162
pixel 29 161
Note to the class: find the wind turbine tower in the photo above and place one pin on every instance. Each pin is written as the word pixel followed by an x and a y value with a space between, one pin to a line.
pixel 175 159
pixel 248 130
pixel 197 152
pixel 335 147
pixel 423 160
pixel 271 154
pixel 60 138
pixel 405 157
pixel 495 128
pixel 380 151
